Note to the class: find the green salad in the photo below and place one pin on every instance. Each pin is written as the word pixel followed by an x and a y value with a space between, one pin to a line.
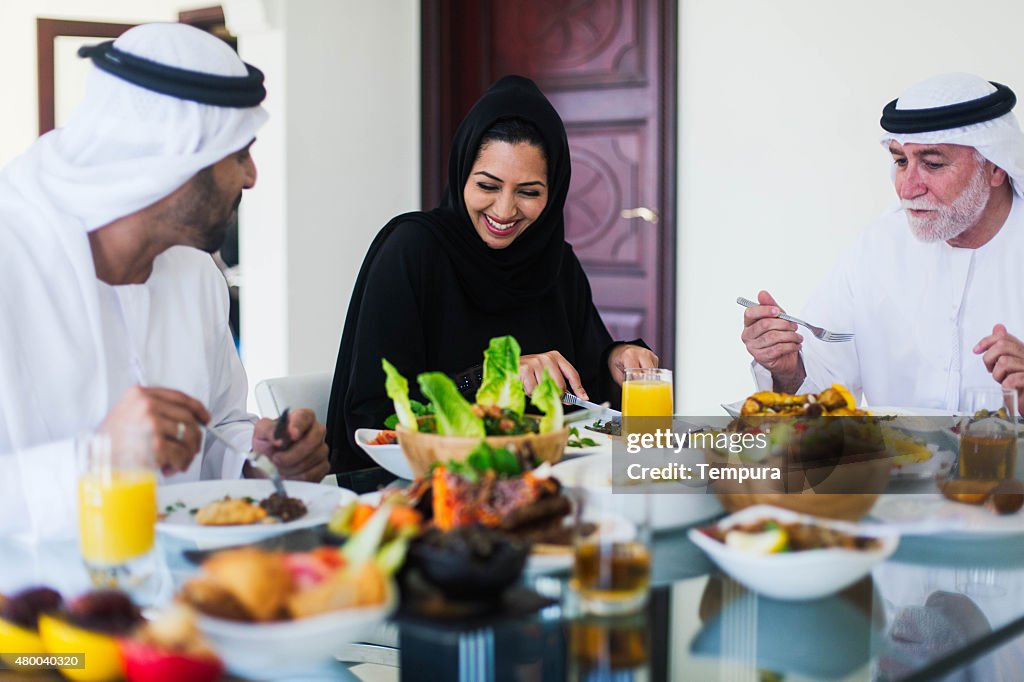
pixel 500 401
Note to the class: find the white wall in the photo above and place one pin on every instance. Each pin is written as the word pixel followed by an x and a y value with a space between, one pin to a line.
pixel 339 158
pixel 779 164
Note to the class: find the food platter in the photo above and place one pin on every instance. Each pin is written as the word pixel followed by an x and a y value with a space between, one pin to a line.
pixel 177 501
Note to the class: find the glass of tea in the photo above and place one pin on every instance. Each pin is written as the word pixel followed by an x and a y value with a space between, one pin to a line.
pixel 612 547
pixel 988 443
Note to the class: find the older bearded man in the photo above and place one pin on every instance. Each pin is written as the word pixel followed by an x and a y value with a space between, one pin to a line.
pixel 930 290
pixel 112 313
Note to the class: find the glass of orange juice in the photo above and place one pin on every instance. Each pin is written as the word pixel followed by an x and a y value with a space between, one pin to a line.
pixel 647 400
pixel 117 508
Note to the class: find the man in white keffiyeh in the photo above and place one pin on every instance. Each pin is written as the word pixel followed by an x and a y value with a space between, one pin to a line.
pixel 112 312
pixel 931 290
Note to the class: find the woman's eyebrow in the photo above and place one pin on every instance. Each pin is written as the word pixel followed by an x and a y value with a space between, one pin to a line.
pixel 492 177
pixel 532 182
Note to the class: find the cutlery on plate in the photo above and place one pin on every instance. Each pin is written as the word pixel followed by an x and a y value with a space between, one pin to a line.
pixel 258 460
pixel 819 333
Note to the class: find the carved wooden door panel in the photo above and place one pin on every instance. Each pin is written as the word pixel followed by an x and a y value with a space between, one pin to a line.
pixel 608 67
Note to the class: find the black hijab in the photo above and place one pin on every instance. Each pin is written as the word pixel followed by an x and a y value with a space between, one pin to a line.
pixel 494 279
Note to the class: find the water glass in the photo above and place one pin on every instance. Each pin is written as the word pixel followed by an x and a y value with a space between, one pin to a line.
pixel 117 507
pixel 612 547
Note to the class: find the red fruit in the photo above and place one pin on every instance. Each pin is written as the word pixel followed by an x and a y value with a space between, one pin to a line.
pixel 146 663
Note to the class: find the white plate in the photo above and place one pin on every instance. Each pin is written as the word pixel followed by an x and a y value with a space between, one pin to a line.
pixel 390 457
pixel 939 464
pixel 796 576
pixel 932 514
pixel 272 650
pixel 669 509
pixel 320 500
pixel 920 419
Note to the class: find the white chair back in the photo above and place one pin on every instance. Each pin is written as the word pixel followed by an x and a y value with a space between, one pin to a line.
pixel 307 390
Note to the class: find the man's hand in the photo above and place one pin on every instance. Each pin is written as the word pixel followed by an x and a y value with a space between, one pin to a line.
pixel 627 356
pixel 306 459
pixel 1003 355
pixel 774 343
pixel 172 418
pixel 531 372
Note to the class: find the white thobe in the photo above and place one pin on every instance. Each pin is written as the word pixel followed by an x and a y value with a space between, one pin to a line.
pixel 917 310
pixel 170 332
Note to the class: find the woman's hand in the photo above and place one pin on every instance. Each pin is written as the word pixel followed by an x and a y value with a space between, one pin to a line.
pixel 629 356
pixel 531 371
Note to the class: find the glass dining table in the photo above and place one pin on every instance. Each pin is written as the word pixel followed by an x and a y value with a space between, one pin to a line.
pixel 940 606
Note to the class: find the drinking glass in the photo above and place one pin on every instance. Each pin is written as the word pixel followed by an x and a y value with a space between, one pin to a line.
pixel 117 507
pixel 609 648
pixel 647 400
pixel 988 437
pixel 612 547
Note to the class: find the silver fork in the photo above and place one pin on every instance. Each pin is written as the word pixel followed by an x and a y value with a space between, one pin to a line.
pixel 819 333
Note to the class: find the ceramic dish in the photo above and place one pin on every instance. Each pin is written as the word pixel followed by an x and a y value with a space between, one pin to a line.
pixel 278 650
pixel 796 576
pixel 673 507
pixel 389 457
pixel 933 514
pixel 177 502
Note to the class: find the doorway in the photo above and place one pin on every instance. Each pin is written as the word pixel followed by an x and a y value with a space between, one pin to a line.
pixel 609 68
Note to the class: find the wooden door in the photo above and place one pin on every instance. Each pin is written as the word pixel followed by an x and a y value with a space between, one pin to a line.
pixel 608 67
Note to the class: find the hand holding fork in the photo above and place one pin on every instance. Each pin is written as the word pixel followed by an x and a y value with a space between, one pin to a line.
pixel 770 336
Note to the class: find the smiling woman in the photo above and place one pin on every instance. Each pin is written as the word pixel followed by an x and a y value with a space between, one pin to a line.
pixel 491 261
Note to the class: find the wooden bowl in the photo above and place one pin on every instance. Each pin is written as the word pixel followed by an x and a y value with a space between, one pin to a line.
pixel 423 449
pixel 844 490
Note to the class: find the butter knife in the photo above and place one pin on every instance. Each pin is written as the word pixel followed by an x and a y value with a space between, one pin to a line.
pixel 570 399
pixel 258 460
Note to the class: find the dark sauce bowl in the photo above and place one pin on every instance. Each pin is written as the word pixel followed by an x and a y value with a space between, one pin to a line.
pixel 470 562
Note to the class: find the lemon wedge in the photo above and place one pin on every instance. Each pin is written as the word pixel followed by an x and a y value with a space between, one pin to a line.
pixel 851 402
pixel 766 542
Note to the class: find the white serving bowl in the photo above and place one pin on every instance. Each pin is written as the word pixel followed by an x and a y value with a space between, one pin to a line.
pixel 272 650
pixel 389 457
pixel 670 505
pixel 802 575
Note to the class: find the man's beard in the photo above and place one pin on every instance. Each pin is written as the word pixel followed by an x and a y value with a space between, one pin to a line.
pixel 949 222
pixel 215 235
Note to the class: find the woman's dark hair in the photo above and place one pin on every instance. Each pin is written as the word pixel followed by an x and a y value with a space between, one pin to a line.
pixel 513 130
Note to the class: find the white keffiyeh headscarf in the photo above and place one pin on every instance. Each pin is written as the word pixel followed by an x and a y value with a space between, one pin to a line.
pixel 124 149
pixel 999 140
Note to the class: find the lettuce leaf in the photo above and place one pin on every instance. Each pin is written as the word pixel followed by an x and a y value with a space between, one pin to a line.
pixel 398 390
pixel 454 416
pixel 501 385
pixel 547 398
pixel 418 409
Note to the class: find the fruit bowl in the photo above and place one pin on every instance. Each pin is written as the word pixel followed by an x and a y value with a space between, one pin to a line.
pixel 424 449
